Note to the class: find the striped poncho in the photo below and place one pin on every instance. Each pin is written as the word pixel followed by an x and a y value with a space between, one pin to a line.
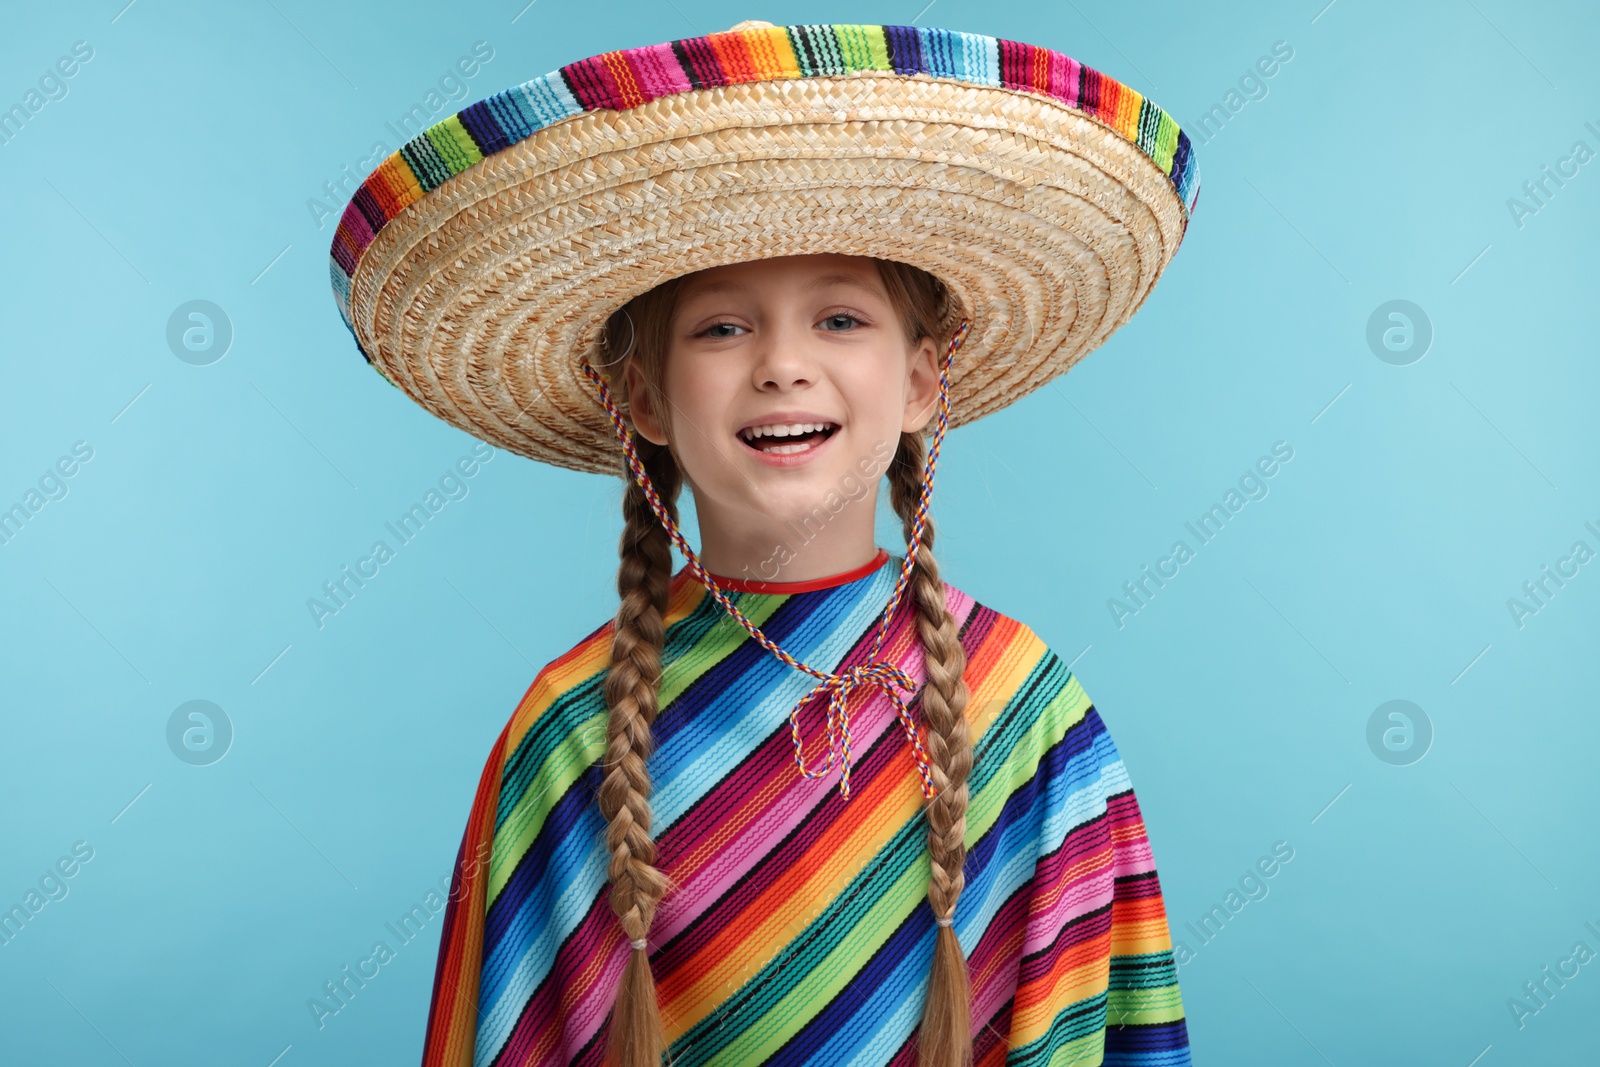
pixel 799 931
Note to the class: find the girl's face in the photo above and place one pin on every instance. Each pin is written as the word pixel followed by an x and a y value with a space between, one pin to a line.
pixel 787 380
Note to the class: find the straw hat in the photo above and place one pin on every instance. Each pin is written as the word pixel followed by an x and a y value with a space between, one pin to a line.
pixel 477 265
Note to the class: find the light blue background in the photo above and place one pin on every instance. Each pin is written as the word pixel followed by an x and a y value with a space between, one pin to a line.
pixel 1377 166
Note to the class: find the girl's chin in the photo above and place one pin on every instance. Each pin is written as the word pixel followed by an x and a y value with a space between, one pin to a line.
pixel 780 498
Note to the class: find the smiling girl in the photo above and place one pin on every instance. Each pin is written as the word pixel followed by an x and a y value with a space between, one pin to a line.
pixel 840 812
pixel 784 378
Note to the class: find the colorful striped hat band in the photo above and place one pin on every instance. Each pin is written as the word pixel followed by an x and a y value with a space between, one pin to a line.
pixel 881 674
pixel 477 265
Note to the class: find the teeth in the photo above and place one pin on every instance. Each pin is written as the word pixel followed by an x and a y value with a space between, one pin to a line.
pixel 783 429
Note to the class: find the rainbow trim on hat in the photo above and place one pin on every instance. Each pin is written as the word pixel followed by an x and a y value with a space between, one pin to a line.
pixel 634 76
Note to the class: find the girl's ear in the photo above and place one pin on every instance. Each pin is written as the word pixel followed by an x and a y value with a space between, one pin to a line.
pixel 922 386
pixel 641 405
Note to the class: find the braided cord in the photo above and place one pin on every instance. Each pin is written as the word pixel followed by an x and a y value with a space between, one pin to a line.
pixel 881 674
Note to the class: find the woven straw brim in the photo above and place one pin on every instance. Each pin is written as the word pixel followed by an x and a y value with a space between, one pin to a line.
pixel 1049 228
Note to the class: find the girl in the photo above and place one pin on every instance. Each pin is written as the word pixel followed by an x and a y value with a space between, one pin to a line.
pixel 799 801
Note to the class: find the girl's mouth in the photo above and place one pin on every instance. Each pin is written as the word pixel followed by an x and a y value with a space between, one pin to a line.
pixel 787 439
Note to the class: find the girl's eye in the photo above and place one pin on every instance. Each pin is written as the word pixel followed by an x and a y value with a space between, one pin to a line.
pixel 842 319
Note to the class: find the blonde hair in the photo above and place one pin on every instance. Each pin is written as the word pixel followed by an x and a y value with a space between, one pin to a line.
pixel 639 331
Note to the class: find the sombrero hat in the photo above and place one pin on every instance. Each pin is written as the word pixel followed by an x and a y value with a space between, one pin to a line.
pixel 477 265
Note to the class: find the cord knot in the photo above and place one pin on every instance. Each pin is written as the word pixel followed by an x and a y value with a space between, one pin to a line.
pixel 874 674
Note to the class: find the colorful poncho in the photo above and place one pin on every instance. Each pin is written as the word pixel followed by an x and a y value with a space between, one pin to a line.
pixel 799 931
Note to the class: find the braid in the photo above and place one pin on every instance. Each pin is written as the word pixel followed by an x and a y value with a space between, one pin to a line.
pixel 946 1030
pixel 636 1037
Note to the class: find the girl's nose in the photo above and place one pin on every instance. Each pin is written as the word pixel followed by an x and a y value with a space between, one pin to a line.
pixel 782 361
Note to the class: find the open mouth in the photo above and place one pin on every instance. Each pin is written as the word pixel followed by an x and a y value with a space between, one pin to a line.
pixel 782 439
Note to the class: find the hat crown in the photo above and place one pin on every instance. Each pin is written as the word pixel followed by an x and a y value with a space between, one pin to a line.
pixel 478 263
